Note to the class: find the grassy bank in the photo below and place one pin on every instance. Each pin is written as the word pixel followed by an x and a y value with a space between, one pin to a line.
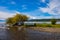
pixel 48 25
pixel 56 26
pixel 44 25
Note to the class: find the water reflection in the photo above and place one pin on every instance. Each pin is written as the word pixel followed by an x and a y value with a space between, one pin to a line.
pixel 10 35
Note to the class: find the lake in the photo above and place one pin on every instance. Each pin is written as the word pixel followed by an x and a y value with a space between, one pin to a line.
pixel 29 34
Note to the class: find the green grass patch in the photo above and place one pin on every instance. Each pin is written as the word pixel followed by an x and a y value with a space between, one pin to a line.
pixel 56 26
pixel 48 25
pixel 44 25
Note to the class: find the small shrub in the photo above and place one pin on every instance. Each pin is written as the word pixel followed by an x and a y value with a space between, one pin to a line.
pixel 48 25
pixel 38 25
pixel 53 21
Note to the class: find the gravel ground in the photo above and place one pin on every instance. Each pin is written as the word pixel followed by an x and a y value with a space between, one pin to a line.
pixel 37 35
pixel 46 29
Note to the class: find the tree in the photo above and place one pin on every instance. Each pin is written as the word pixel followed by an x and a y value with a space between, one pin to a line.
pixel 16 18
pixel 24 18
pixel 53 21
pixel 20 17
pixel 9 21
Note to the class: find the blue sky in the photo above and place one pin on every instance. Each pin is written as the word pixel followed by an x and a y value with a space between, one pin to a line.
pixel 35 9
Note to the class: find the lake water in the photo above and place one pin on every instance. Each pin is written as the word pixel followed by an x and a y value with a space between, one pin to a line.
pixel 27 34
pixel 6 34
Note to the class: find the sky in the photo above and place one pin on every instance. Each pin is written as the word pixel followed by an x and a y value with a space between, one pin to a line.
pixel 35 9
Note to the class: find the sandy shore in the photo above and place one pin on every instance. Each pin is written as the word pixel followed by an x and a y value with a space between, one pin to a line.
pixel 46 29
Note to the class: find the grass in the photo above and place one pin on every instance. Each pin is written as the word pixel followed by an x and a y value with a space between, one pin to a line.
pixel 44 25
pixel 56 26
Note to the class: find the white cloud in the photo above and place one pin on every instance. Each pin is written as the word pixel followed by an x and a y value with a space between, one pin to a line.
pixel 4 15
pixel 52 8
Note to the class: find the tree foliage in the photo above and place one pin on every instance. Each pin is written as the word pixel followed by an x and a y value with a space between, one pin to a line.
pixel 20 17
pixel 53 21
pixel 16 18
pixel 9 21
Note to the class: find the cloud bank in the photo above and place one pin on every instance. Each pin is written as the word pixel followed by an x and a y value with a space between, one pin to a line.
pixel 53 7
pixel 4 15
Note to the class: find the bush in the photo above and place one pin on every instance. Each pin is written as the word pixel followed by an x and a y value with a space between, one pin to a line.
pixel 53 21
pixel 38 25
pixel 48 25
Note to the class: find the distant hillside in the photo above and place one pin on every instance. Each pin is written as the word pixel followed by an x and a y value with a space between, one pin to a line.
pixel 42 19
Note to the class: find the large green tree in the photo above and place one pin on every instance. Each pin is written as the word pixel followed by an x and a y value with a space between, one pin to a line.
pixel 9 21
pixel 20 17
pixel 16 18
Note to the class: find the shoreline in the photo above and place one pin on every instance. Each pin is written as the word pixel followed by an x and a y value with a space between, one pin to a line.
pixel 46 29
